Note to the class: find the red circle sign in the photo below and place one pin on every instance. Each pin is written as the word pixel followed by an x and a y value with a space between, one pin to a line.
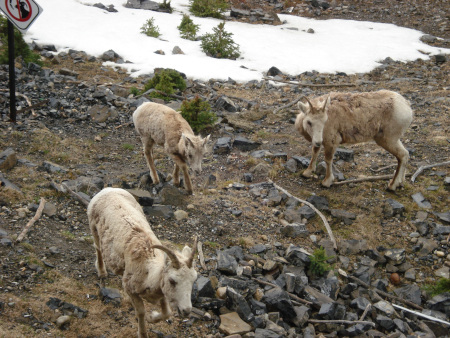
pixel 19 10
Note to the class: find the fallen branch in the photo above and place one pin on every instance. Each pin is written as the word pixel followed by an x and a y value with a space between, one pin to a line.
pixel 32 221
pixel 422 168
pixel 366 179
pixel 31 107
pixel 327 226
pixel 365 312
pixel 337 321
pixel 287 105
pixel 74 194
pixel 294 297
pixel 383 168
pixel 422 315
pixel 384 294
pixel 301 84
pixel 200 255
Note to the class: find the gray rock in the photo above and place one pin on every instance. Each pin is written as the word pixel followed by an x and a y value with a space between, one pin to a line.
pixel 401 325
pixel 441 230
pixel 421 227
pixel 258 308
pixel 109 55
pixel 384 307
pixel 101 113
pixel 440 303
pixel 258 249
pixel 359 304
pixel 393 208
pixel 278 300
pixel 51 167
pixel 261 153
pixel 8 159
pixel 236 252
pixel 274 71
pixel 232 324
pixel 346 155
pixel 222 145
pixel 353 247
pixel 395 256
pixel 110 296
pixel 143 197
pixel 410 292
pixel 385 322
pixel 236 302
pixel 315 296
pixel 291 165
pixel 7 184
pixel 302 314
pixel 202 288
pixel 319 202
pixel 421 201
pixel 158 210
pixel 297 257
pixel 225 103
pixel 343 216
pixel 171 195
pixel 245 144
pixel 443 216
pixel 302 162
pixel 326 311
pixel 427 246
pixel 177 51
pixel 294 230
pixel 226 263
pixel 63 321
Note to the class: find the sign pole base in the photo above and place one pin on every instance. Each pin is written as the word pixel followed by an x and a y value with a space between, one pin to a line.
pixel 12 74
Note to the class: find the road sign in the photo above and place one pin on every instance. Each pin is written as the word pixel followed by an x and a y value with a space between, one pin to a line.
pixel 21 13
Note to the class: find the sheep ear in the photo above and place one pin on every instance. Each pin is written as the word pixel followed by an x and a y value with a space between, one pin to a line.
pixel 303 107
pixel 187 251
pixel 187 140
pixel 205 140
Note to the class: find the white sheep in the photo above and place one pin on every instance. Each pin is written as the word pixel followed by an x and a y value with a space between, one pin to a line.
pixel 125 243
pixel 350 118
pixel 159 124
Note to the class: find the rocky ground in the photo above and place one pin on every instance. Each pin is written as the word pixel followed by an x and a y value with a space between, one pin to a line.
pixel 252 232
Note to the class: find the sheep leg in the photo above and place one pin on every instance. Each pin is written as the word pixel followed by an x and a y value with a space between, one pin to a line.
pixel 312 164
pixel 99 264
pixel 329 177
pixel 148 152
pixel 398 150
pixel 187 180
pixel 176 175
pixel 163 315
pixel 139 307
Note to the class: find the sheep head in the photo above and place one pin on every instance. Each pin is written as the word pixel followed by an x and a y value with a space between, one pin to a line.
pixel 314 119
pixel 194 148
pixel 178 278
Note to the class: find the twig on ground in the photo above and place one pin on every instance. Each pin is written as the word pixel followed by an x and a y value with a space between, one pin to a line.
pixel 383 168
pixel 366 179
pixel 200 255
pixel 422 168
pixel 32 221
pixel 422 314
pixel 294 297
pixel 301 84
pixel 337 321
pixel 287 105
pixel 74 194
pixel 327 226
pixel 365 312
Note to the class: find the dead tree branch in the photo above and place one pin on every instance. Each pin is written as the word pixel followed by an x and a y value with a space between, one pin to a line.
pixel 422 168
pixel 276 111
pixel 32 221
pixel 367 179
pixel 301 84
pixel 337 321
pixel 74 194
pixel 325 222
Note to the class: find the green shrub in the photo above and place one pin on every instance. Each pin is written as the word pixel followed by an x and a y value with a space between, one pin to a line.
pixel 150 29
pixel 166 6
pixel 208 8
pixel 220 44
pixel 135 91
pixel 20 46
pixel 198 114
pixel 319 265
pixel 188 30
pixel 441 286
pixel 166 81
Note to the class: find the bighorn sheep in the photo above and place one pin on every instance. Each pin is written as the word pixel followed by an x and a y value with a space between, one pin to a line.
pixel 157 123
pixel 125 243
pixel 348 118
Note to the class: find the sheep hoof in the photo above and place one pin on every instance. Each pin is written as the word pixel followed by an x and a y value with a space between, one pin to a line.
pixel 308 173
pixel 327 184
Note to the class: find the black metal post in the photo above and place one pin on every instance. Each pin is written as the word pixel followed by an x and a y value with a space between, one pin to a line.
pixel 12 74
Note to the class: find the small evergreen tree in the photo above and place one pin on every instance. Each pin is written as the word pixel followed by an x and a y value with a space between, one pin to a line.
pixel 318 265
pixel 166 81
pixel 208 8
pixel 198 114
pixel 220 44
pixel 150 29
pixel 188 30
pixel 166 6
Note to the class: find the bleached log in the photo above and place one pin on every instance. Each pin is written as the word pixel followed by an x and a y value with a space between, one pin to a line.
pixel 32 221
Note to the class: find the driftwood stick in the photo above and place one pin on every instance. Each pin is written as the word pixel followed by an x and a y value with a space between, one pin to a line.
pixel 74 194
pixel 294 297
pixel 32 221
pixel 422 168
pixel 337 321
pixel 301 84
pixel 287 105
pixel 421 314
pixel 200 255
pixel 366 179
pixel 365 312
pixel 325 222
pixel 383 168
pixel 384 294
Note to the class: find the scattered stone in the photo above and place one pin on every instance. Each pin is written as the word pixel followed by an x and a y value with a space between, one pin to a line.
pixel 8 159
pixel 421 201
pixel 231 324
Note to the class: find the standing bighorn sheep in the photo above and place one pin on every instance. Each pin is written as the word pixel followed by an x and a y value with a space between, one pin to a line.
pixel 156 123
pixel 125 243
pixel 348 118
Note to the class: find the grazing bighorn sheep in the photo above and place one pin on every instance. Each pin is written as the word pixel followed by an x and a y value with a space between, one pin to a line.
pixel 348 118
pixel 126 244
pixel 157 123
